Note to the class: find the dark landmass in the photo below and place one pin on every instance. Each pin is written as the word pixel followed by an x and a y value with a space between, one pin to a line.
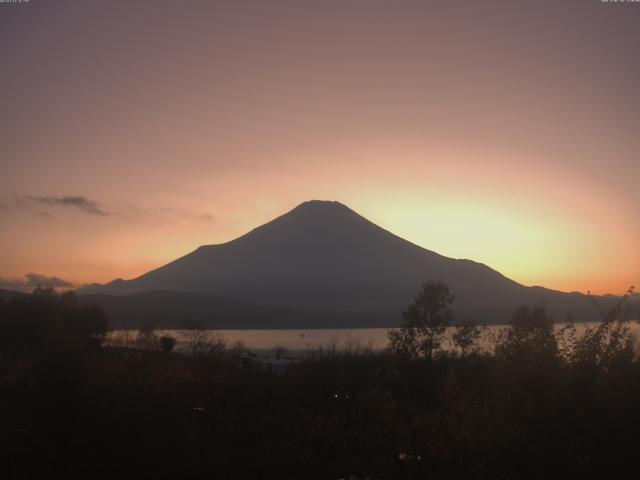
pixel 533 407
pixel 171 308
pixel 321 265
pixel 9 294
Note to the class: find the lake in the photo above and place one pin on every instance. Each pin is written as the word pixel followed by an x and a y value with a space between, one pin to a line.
pixel 301 340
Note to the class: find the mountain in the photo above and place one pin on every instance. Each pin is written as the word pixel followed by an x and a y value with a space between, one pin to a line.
pixel 170 308
pixel 322 261
pixel 7 295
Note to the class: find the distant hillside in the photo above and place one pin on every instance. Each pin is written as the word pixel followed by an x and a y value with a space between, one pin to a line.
pixel 327 264
pixel 170 308
pixel 9 294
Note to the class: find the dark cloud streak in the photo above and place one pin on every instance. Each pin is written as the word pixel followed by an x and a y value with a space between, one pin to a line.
pixel 36 204
pixel 83 203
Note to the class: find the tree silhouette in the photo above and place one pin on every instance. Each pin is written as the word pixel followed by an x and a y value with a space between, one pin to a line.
pixel 425 322
pixel 529 337
pixel 167 343
pixel 466 337
pixel 608 341
pixel 45 320
pixel 197 338
pixel 147 338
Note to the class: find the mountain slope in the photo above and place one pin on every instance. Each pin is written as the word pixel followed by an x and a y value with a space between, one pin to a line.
pixel 322 256
pixel 7 295
pixel 170 308
pixel 319 255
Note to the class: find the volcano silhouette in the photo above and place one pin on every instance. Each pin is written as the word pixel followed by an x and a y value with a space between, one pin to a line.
pixel 322 262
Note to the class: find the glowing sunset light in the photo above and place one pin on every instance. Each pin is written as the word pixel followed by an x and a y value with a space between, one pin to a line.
pixel 133 135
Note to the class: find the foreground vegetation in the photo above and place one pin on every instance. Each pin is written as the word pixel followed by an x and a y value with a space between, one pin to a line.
pixel 540 404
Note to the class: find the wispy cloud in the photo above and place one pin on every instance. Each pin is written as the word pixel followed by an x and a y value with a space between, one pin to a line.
pixel 83 203
pixel 33 280
pixel 43 206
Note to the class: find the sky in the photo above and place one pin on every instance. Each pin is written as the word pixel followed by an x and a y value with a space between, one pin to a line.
pixel 131 132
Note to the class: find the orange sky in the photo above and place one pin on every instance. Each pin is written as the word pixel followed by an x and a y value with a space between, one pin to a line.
pixel 133 132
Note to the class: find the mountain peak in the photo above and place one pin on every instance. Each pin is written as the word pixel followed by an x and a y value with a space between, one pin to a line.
pixel 312 221
pixel 326 205
pixel 314 216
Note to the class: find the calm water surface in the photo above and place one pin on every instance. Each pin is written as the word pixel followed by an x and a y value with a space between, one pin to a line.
pixel 312 339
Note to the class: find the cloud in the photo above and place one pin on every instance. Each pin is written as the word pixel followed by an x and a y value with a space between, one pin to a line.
pixel 83 203
pixel 23 204
pixel 37 205
pixel 33 280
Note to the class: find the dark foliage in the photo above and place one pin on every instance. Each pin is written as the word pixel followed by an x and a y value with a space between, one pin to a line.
pixel 425 322
pixel 46 321
pixel 167 343
pixel 537 408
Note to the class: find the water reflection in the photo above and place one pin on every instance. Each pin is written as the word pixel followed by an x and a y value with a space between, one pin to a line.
pixel 312 339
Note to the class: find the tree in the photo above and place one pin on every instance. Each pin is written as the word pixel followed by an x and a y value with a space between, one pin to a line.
pixel 530 335
pixel 466 337
pixel 167 343
pixel 196 337
pixel 609 341
pixel 147 338
pixel 46 321
pixel 280 352
pixel 425 322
